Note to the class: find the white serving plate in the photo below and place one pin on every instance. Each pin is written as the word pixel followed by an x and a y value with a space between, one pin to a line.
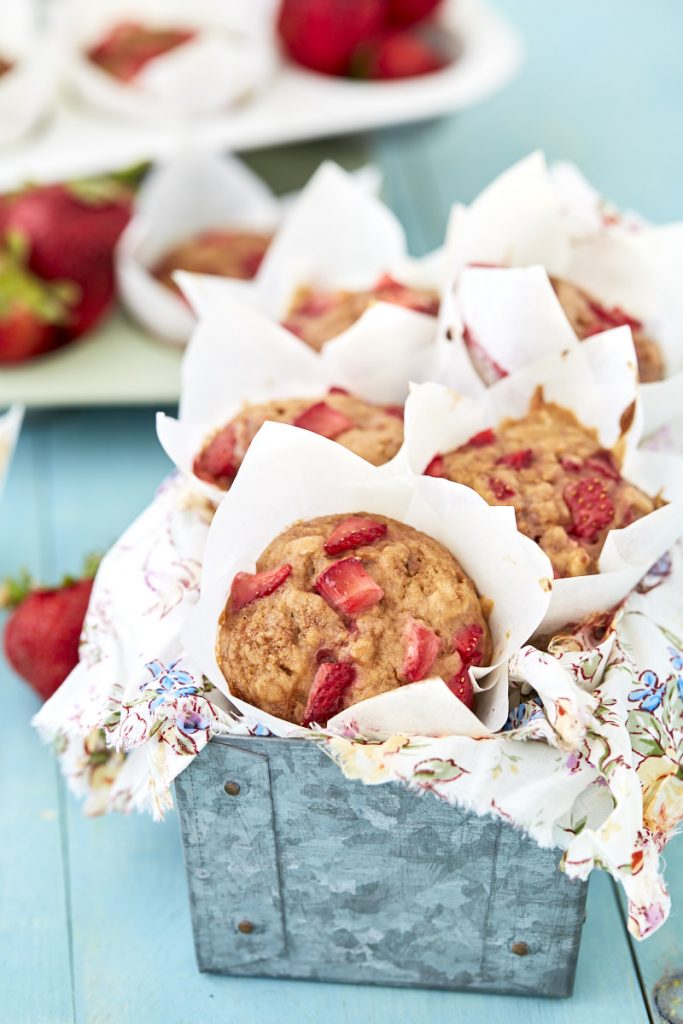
pixel 118 365
pixel 297 105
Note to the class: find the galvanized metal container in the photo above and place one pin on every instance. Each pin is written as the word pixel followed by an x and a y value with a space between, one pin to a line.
pixel 296 872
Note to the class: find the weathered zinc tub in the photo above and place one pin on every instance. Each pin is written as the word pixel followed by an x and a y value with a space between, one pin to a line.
pixel 295 872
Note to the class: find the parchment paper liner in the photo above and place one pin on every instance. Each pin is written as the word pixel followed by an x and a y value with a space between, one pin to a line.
pixel 195 191
pixel 337 236
pixel 532 215
pixel 256 360
pixel 28 89
pixel 290 474
pixel 597 382
pixel 233 54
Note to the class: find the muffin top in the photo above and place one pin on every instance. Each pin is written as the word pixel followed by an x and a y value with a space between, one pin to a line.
pixel 588 316
pixel 346 607
pixel 566 489
pixel 316 316
pixel 372 431
pixel 128 46
pixel 220 251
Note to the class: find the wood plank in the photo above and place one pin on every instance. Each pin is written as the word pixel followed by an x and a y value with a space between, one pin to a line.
pixel 35 969
pixel 660 958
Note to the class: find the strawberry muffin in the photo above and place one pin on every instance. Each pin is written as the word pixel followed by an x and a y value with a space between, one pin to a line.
pixel 221 252
pixel 129 46
pixel 372 431
pixel 316 316
pixel 587 317
pixel 566 489
pixel 346 607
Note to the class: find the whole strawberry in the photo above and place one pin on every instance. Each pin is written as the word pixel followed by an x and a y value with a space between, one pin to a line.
pixel 70 231
pixel 409 12
pixel 33 313
pixel 323 34
pixel 397 53
pixel 43 631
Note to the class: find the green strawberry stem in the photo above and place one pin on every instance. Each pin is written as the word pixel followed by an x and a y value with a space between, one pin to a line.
pixel 14 590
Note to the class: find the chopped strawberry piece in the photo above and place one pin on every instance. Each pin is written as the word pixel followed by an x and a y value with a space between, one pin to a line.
pixel 329 688
pixel 612 317
pixel 248 587
pixel 347 587
pixel 216 462
pixel 571 463
pixel 590 506
pixel 436 467
pixel 315 304
pixel 293 327
pixel 395 410
pixel 602 462
pixel 420 649
pixel 466 642
pixel 501 490
pixel 461 685
pixel 481 439
pixel 517 460
pixel 354 533
pixel 388 289
pixel 334 390
pixel 322 419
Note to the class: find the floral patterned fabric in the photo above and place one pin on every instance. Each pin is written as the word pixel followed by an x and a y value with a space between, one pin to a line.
pixel 589 760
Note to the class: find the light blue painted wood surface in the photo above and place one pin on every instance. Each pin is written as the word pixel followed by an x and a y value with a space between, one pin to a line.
pixel 94 922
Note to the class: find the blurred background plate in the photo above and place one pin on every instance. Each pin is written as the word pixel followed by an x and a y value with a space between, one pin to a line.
pixel 297 105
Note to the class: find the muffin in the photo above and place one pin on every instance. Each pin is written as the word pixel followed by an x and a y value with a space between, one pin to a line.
pixel 316 316
pixel 127 47
pixel 346 607
pixel 374 432
pixel 221 251
pixel 566 489
pixel 587 317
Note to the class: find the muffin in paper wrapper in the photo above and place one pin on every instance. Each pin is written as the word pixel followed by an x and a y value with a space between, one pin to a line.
pixel 597 382
pixel 532 215
pixel 232 55
pixel 257 360
pixel 588 759
pixel 28 88
pixel 337 236
pixel 194 192
pixel 313 477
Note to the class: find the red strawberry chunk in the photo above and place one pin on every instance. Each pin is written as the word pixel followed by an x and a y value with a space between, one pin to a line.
pixel 436 467
pixel 216 462
pixel 466 642
pixel 481 439
pixel 461 685
pixel 354 533
pixel 389 289
pixel 347 587
pixel 614 317
pixel 571 463
pixel 590 506
pixel 329 688
pixel 334 390
pixel 602 462
pixel 322 419
pixel 248 587
pixel 501 490
pixel 395 410
pixel 517 460
pixel 420 649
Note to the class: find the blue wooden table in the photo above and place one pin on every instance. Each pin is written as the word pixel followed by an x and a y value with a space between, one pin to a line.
pixel 94 923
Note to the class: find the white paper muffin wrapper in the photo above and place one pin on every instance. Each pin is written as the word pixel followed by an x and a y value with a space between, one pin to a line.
pixel 337 236
pixel 312 477
pixel 531 215
pixel 232 55
pixel 28 89
pixel 195 191
pixel 10 426
pixel 596 381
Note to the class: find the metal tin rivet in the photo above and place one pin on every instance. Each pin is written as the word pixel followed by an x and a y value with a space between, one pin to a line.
pixel 232 788
pixel 246 927
pixel 520 949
